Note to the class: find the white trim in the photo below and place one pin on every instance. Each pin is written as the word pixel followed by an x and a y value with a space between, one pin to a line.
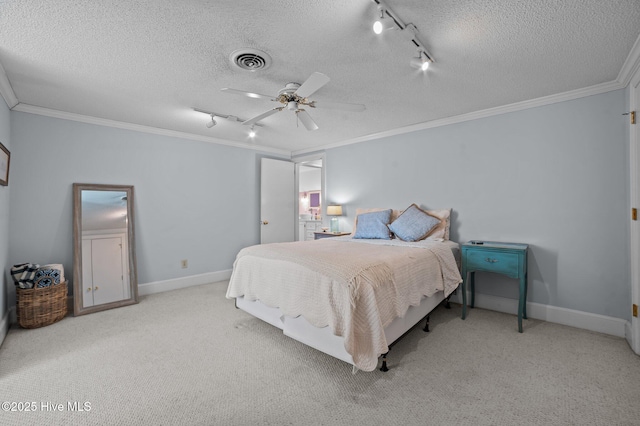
pixel 6 90
pixel 570 317
pixel 31 109
pixel 183 282
pixel 323 192
pixel 518 106
pixel 4 326
pixel 633 336
pixel 631 64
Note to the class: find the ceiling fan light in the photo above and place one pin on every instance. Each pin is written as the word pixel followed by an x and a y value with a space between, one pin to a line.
pixel 292 106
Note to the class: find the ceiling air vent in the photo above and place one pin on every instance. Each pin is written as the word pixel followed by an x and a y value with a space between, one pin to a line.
pixel 250 59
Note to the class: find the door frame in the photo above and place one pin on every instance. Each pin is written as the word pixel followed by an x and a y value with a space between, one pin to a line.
pixel 323 194
pixel 633 333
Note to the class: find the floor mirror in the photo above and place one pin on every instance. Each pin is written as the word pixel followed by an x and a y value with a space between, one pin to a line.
pixel 104 256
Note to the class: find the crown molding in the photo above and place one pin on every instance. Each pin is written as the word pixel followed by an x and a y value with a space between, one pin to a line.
pixel 32 109
pixel 6 90
pixel 490 112
pixel 631 64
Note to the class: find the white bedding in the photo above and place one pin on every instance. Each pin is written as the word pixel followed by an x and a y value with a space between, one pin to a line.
pixel 356 287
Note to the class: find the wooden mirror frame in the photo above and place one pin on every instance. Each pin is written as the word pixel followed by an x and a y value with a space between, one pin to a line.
pixel 78 294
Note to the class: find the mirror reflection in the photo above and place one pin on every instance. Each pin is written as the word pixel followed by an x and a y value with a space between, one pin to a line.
pixel 104 257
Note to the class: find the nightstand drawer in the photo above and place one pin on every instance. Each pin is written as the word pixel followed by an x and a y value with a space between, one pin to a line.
pixel 490 261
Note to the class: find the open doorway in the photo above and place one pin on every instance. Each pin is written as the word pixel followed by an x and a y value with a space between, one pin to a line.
pixel 310 195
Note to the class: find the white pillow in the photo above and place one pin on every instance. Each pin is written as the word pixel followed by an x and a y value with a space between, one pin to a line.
pixel 442 230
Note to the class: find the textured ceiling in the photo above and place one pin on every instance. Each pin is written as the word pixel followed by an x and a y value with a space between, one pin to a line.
pixel 150 62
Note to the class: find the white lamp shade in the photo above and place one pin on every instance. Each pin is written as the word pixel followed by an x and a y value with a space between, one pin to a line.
pixel 334 210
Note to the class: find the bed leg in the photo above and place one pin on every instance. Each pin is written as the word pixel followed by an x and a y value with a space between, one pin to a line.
pixel 447 305
pixel 426 325
pixel 384 362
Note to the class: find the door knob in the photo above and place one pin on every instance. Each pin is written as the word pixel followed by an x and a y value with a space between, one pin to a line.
pixel 265 222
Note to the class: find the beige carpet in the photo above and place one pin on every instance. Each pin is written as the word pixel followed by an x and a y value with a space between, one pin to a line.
pixel 188 357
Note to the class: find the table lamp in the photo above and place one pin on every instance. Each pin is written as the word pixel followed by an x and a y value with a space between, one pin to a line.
pixel 334 211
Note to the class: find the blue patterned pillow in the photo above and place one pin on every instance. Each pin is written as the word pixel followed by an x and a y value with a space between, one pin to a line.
pixel 414 224
pixel 46 277
pixel 373 225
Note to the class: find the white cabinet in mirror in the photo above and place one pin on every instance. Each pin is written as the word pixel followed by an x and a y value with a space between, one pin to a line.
pixel 104 253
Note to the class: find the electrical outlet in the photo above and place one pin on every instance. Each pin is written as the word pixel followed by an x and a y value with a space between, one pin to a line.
pixel 184 263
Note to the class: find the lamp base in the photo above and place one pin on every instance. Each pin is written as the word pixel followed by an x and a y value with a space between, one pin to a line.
pixel 335 225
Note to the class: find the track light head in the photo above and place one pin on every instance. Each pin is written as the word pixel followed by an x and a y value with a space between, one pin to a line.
pixel 383 23
pixel 212 123
pixel 420 62
pixel 252 133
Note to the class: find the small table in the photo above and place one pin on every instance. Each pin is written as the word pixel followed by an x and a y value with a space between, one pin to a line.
pixel 320 235
pixel 509 259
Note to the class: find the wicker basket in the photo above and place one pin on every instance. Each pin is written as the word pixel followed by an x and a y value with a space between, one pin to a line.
pixel 38 307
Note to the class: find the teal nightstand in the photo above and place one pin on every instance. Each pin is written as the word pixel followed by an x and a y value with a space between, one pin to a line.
pixel 509 259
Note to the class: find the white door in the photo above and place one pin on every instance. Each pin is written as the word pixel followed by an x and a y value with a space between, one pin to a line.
pixel 108 274
pixel 277 201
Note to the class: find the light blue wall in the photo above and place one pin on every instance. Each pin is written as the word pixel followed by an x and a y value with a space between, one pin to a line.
pixel 5 281
pixel 193 200
pixel 555 177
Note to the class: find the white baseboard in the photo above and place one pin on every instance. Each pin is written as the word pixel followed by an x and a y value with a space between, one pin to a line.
pixel 143 289
pixel 178 283
pixel 579 319
pixel 4 327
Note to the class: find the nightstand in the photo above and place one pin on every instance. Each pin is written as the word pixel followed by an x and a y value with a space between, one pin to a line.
pixel 320 235
pixel 509 259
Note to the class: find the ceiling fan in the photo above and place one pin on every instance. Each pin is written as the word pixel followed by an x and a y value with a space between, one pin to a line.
pixel 293 97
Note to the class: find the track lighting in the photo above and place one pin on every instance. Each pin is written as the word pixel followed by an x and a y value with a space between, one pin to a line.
pixel 214 115
pixel 420 62
pixel 387 19
pixel 384 22
pixel 252 133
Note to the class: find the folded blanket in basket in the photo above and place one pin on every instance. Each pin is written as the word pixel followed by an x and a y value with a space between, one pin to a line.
pixel 23 274
pixel 46 277
pixel 57 266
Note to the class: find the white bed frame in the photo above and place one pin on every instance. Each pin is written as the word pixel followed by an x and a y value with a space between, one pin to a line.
pixel 323 339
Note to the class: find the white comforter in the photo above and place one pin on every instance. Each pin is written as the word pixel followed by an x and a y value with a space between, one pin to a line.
pixel 356 287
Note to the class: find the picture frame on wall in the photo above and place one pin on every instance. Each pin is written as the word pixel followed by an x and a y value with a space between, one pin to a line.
pixel 5 157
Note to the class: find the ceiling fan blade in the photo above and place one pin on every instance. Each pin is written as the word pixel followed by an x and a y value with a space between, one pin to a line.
pixel 338 105
pixel 313 83
pixel 257 118
pixel 248 94
pixel 306 120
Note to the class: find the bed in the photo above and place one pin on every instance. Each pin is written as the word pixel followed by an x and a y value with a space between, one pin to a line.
pixel 348 297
